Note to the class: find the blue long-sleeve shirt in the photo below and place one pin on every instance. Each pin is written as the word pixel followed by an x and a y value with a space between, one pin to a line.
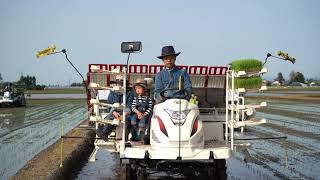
pixel 117 98
pixel 169 78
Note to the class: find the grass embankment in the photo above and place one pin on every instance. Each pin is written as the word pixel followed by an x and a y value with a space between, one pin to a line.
pixel 291 97
pixel 56 91
pixel 291 88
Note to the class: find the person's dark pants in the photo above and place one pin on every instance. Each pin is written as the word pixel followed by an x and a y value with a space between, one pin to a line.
pixel 108 128
pixel 138 125
pixel 141 123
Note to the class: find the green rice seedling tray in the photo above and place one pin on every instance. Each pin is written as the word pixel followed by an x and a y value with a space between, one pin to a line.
pixel 248 82
pixel 248 65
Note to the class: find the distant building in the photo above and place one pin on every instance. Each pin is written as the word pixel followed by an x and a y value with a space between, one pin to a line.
pixel 313 84
pixel 276 83
pixel 299 84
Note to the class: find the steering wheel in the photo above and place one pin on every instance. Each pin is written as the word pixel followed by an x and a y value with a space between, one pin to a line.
pixel 185 93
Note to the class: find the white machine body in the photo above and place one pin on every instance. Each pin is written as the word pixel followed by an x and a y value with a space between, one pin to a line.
pixel 172 115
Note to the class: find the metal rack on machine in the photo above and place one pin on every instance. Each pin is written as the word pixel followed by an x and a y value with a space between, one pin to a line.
pixel 101 108
pixel 238 114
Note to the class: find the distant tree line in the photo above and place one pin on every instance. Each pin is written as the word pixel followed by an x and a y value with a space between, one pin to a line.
pixel 29 83
pixel 25 82
pixel 280 78
pixel 294 77
pixel 76 84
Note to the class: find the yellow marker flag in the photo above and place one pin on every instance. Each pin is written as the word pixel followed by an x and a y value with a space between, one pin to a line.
pixel 286 57
pixel 46 51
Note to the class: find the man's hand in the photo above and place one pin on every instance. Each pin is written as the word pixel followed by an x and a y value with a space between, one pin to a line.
pixel 116 114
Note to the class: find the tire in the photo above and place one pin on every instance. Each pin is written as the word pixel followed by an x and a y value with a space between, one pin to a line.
pixel 141 174
pixel 221 169
pixel 218 170
pixel 132 172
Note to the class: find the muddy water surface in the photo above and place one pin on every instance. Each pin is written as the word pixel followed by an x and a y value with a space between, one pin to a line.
pixel 26 131
pixel 298 157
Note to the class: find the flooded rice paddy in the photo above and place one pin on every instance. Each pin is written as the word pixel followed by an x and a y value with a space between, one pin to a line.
pixel 25 131
pixel 56 96
pixel 297 157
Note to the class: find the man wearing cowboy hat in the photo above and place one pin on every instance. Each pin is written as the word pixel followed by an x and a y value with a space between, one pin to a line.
pixel 169 76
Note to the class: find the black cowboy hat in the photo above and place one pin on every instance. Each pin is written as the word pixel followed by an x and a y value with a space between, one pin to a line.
pixel 167 51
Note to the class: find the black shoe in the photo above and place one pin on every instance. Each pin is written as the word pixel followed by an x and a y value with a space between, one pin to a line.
pixel 101 134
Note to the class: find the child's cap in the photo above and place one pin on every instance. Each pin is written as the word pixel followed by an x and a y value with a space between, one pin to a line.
pixel 140 82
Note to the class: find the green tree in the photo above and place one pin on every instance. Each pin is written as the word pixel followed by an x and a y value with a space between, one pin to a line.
pixel 280 78
pixel 1 79
pixel 296 77
pixel 76 84
pixel 299 77
pixel 29 82
pixel 291 76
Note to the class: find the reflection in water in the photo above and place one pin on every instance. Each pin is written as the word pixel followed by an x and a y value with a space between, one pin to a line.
pixel 24 132
pixel 106 165
pixel 10 118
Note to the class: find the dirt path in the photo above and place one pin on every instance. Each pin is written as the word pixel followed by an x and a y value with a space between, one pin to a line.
pixel 46 164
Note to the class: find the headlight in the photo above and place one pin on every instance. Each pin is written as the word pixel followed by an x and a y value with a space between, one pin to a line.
pixel 176 115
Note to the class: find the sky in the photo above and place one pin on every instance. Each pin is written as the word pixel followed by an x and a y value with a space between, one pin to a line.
pixel 212 33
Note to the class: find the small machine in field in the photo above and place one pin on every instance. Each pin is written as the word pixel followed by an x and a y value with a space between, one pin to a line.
pixel 11 97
